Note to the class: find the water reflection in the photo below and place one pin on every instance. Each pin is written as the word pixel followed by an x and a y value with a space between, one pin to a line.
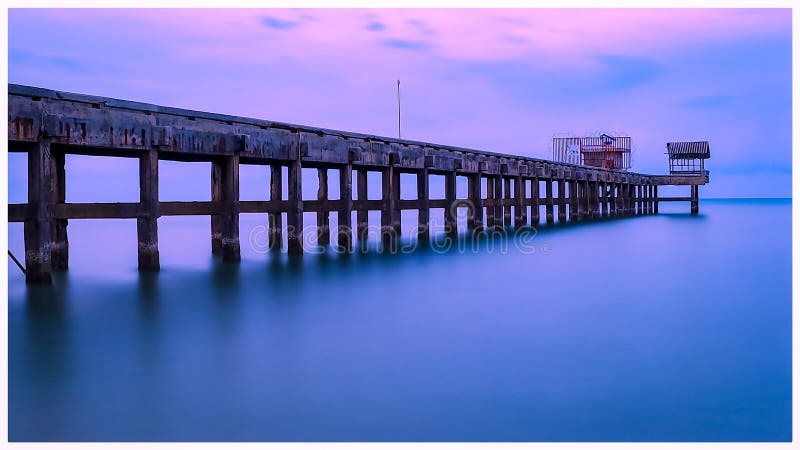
pixel 591 340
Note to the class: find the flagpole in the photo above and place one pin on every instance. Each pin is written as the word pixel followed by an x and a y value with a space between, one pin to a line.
pixel 399 136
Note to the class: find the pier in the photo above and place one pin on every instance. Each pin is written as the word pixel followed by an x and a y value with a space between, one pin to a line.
pixel 48 125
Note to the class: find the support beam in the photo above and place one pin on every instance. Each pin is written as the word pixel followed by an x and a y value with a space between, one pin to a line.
pixel 362 215
pixel 475 219
pixel 40 212
pixel 59 250
pixel 323 217
pixel 275 219
pixel 450 212
pixel 695 205
pixel 147 222
pixel 344 231
pixel 294 216
pixel 423 198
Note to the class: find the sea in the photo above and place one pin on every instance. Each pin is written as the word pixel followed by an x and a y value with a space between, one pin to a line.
pixel 668 327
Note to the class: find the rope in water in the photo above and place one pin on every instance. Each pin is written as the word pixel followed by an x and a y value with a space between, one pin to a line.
pixel 16 261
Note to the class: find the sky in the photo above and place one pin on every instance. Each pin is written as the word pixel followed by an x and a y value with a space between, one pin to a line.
pixel 503 80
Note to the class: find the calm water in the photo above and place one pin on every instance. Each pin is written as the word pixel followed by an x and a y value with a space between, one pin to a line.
pixel 665 328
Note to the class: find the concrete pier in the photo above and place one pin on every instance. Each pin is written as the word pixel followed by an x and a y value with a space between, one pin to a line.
pixel 147 222
pixel 49 125
pixel 275 218
pixel 59 250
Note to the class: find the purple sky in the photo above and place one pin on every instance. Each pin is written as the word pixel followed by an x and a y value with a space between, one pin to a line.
pixel 499 80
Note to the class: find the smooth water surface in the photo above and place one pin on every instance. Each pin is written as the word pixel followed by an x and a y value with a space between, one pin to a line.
pixel 665 328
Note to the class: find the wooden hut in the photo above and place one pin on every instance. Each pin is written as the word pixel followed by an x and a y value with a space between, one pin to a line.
pixel 688 157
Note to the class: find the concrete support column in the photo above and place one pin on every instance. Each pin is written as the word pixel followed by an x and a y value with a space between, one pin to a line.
pixel 589 200
pixel 475 220
pixel 586 198
pixel 597 200
pixel 507 199
pixel 498 201
pixel 655 199
pixel 490 198
pixel 147 222
pixel 225 189
pixel 275 219
pixel 548 208
pixel 573 201
pixel 562 203
pixel 695 206
pixel 397 223
pixel 626 199
pixel 59 250
pixel 294 216
pixel 362 215
pixel 535 202
pixel 324 215
pixel 423 199
pixel 40 213
pixel 643 199
pixel 603 199
pixel 591 206
pixel 389 207
pixel 631 199
pixel 520 210
pixel 344 232
pixel 450 223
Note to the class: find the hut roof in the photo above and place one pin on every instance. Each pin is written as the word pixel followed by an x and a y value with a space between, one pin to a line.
pixel 688 150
